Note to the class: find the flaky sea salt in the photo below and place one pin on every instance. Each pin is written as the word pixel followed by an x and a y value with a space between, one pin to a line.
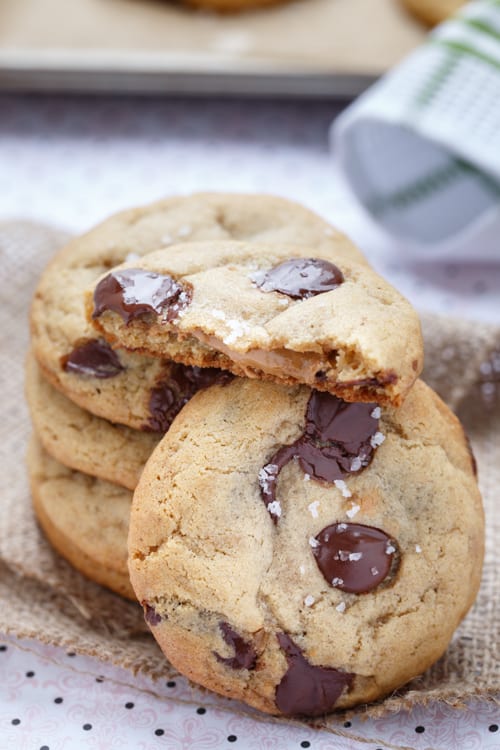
pixel 418 548
pixel 302 569
pixel 341 527
pixel 342 486
pixel 266 475
pixel 309 600
pixel 353 510
pixel 356 464
pixel 346 556
pixel 374 571
pixel 274 508
pixel 340 607
pixel 376 413
pixel 307 477
pixel 182 304
pixel 389 549
pixel 337 581
pixel 377 439
pixel 313 542
pixel 313 508
pixel 132 257
pixel 237 329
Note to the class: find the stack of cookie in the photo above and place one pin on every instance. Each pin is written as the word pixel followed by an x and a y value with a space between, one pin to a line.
pixel 98 413
pixel 308 532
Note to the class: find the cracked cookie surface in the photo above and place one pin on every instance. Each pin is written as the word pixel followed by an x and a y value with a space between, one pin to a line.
pixel 85 519
pixel 119 385
pixel 266 311
pixel 357 584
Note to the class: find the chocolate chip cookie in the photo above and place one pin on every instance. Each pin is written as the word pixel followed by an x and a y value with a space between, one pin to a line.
pixel 85 519
pixel 82 441
pixel 124 387
pixel 302 553
pixel 292 314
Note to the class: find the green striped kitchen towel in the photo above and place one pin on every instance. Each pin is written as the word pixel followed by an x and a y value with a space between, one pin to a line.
pixel 421 148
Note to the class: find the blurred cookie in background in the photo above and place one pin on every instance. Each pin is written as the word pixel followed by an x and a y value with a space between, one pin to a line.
pixel 433 12
pixel 230 6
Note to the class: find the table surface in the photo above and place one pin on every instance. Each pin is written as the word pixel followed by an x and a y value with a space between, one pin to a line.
pixel 70 162
pixel 158 46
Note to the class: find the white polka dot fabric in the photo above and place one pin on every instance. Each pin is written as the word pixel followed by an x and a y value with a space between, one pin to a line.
pixel 52 700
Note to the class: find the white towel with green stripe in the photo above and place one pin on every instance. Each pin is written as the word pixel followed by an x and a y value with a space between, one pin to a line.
pixel 421 148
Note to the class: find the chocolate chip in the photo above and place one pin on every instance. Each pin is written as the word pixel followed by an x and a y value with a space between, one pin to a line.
pixel 337 441
pixel 301 278
pixel 245 655
pixel 172 393
pixel 306 689
pixel 164 405
pixel 134 292
pixel 353 557
pixel 151 615
pixel 93 357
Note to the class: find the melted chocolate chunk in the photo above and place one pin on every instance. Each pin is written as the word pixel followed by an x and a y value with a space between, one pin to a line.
pixel 151 615
pixel 301 278
pixel 337 440
pixel 93 357
pixel 353 557
pixel 133 292
pixel 245 656
pixel 305 689
pixel 170 395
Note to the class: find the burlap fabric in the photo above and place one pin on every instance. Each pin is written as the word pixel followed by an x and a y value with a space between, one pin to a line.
pixel 42 597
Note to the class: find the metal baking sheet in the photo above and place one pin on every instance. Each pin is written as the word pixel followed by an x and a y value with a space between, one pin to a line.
pixel 303 48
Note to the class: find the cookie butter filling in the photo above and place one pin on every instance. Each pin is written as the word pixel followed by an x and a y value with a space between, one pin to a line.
pixel 339 439
pixel 306 689
pixel 307 367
